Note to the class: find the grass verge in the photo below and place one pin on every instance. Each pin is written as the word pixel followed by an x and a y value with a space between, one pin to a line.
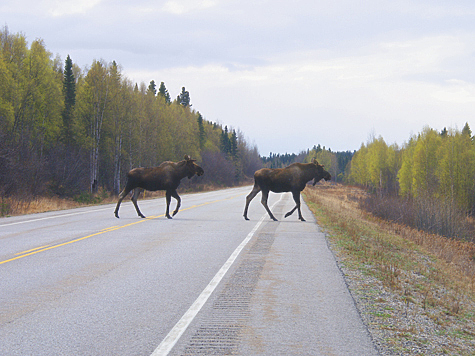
pixel 414 290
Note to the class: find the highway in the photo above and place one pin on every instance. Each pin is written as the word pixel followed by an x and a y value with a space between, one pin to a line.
pixel 82 282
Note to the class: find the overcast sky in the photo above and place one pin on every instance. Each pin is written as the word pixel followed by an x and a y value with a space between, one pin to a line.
pixel 288 74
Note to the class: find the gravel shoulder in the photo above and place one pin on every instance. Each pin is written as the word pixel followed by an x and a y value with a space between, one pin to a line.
pixel 407 323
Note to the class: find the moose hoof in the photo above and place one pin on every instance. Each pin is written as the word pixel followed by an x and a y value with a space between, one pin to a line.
pixel 246 218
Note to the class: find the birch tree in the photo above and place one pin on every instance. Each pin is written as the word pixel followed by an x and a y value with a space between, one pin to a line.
pixel 425 165
pixel 92 103
pixel 457 169
pixel 404 175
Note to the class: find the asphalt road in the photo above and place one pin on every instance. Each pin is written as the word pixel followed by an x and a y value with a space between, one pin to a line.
pixel 81 282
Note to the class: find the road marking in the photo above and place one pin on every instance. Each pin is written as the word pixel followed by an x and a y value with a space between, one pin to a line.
pixel 112 228
pixel 33 249
pixel 48 247
pixel 95 210
pixel 175 334
pixel 53 217
pixel 103 231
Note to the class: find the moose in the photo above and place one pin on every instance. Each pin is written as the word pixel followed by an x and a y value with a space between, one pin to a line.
pixel 166 176
pixel 292 178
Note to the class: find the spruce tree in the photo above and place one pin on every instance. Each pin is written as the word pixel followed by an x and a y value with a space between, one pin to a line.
pixel 225 143
pixel 184 98
pixel 201 131
pixel 466 130
pixel 69 92
pixel 164 93
pixel 444 133
pixel 152 88
pixel 233 145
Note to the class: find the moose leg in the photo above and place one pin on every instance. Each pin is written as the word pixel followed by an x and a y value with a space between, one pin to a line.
pixel 291 211
pixel 251 196
pixel 134 200
pixel 168 196
pixel 297 201
pixel 296 196
pixel 265 196
pixel 122 195
pixel 178 201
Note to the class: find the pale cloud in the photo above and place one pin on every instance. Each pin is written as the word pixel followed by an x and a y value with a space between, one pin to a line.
pixel 456 92
pixel 69 7
pixel 179 7
pixel 433 10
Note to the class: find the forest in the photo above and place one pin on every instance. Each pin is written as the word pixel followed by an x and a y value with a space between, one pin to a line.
pixel 70 132
pixel 75 133
pixel 427 183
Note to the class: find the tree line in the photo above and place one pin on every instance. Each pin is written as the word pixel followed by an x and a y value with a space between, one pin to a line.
pixel 68 131
pixel 336 163
pixel 433 174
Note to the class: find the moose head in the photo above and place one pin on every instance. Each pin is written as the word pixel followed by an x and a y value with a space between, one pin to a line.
pixel 320 172
pixel 192 167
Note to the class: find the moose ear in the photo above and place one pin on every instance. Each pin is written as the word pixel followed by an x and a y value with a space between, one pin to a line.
pixel 314 161
pixel 187 158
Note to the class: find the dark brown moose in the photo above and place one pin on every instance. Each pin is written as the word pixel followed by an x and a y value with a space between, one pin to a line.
pixel 167 177
pixel 289 179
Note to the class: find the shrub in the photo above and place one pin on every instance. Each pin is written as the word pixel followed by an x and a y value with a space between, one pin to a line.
pixel 433 215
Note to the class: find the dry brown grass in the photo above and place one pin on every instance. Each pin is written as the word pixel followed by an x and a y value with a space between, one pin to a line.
pixel 427 271
pixel 12 206
pixel 455 258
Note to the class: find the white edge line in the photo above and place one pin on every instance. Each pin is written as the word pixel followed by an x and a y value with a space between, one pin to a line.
pixel 52 217
pixel 175 334
pixel 69 214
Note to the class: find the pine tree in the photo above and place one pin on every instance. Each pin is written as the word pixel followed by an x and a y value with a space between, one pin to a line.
pixel 444 133
pixel 201 131
pixel 225 143
pixel 69 92
pixel 164 93
pixel 152 88
pixel 184 98
pixel 466 130
pixel 233 145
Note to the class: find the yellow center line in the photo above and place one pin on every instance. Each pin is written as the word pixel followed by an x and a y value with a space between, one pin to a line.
pixel 109 228
pixel 48 247
pixel 33 249
pixel 103 231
